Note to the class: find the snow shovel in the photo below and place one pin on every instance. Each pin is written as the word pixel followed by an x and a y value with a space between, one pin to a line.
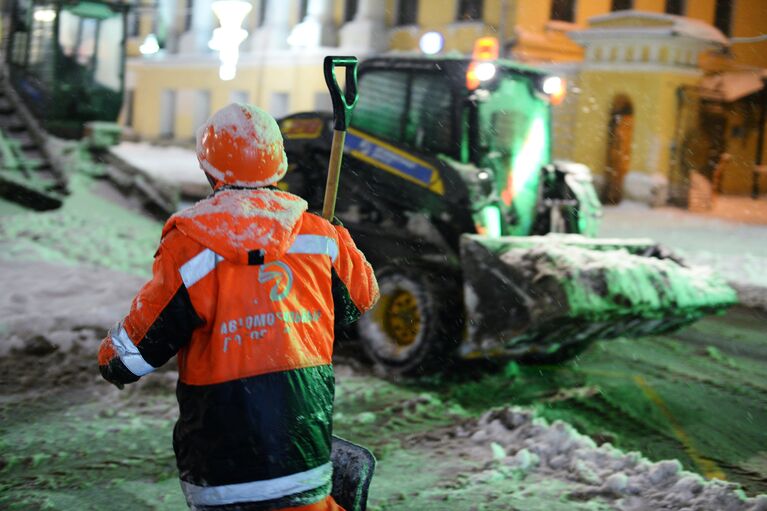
pixel 343 104
pixel 353 467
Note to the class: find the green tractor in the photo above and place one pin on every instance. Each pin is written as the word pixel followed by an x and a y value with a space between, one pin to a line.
pixel 479 240
pixel 66 61
pixel 61 90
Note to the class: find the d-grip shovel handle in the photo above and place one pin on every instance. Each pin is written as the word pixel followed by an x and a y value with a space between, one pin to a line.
pixel 343 104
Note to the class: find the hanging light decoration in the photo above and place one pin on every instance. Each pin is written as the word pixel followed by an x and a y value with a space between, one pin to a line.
pixel 228 37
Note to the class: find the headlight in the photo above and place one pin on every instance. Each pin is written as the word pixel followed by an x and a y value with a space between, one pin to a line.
pixel 485 71
pixel 554 87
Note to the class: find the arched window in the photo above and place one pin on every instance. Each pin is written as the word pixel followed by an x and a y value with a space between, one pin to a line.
pixel 407 11
pixel 723 16
pixel 469 10
pixel 622 5
pixel 350 10
pixel 563 10
pixel 675 7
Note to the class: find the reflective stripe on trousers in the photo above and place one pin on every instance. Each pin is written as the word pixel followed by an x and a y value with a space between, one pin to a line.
pixel 256 491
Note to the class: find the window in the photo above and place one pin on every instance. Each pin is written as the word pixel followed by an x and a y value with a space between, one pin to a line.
pixel 91 48
pixel 622 5
pixel 188 15
pixel 322 102
pixel 302 8
pixel 350 10
pixel 723 16
pixel 18 42
pixel 279 104
pixel 238 96
pixel 41 49
pixel 261 12
pixel 129 99
pixel 428 125
pixel 381 110
pixel 167 113
pixel 406 12
pixel 563 10
pixel 201 109
pixel 469 10
pixel 675 7
pixel 134 23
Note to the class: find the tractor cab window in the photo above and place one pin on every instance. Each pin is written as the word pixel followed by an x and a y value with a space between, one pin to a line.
pixel 428 126
pixel 90 39
pixel 381 109
pixel 21 21
pixel 40 57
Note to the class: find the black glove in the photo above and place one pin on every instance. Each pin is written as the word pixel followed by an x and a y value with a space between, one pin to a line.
pixel 117 374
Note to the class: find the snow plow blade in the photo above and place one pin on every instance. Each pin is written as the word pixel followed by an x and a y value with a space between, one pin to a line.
pixel 542 295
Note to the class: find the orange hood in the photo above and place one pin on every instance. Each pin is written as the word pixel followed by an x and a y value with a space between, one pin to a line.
pixel 235 222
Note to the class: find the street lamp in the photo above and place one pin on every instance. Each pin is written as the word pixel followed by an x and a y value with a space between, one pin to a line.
pixel 228 37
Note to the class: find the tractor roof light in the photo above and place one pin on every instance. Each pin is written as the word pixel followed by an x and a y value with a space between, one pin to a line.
pixel 44 15
pixel 486 48
pixel 555 88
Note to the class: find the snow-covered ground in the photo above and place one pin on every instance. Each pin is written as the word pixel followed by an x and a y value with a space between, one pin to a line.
pixel 56 302
pixel 736 250
pixel 507 454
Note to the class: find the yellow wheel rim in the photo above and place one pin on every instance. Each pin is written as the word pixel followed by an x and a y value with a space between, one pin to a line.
pixel 402 320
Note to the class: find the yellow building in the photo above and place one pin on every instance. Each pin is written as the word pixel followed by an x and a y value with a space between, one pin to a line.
pixel 654 98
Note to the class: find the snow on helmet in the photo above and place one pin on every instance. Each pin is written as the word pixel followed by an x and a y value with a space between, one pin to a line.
pixel 241 145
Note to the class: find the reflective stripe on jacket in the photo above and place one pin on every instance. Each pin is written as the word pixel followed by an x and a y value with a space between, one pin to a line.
pixel 245 287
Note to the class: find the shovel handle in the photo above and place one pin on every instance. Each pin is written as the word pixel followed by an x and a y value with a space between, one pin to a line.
pixel 343 104
pixel 343 101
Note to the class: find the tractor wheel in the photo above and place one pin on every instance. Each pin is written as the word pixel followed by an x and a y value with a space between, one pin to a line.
pixel 415 326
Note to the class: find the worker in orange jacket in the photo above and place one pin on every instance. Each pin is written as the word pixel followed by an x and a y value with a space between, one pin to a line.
pixel 245 288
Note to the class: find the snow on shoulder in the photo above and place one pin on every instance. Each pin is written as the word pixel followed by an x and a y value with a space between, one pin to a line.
pixel 235 221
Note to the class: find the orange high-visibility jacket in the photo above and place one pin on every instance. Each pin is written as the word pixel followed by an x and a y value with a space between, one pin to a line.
pixel 245 288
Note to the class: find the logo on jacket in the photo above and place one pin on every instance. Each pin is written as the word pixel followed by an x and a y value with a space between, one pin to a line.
pixel 281 274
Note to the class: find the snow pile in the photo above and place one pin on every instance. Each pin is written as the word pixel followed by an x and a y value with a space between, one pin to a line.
pixel 53 318
pixel 525 447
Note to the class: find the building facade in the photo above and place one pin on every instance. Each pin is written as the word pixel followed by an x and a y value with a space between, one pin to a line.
pixel 661 92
